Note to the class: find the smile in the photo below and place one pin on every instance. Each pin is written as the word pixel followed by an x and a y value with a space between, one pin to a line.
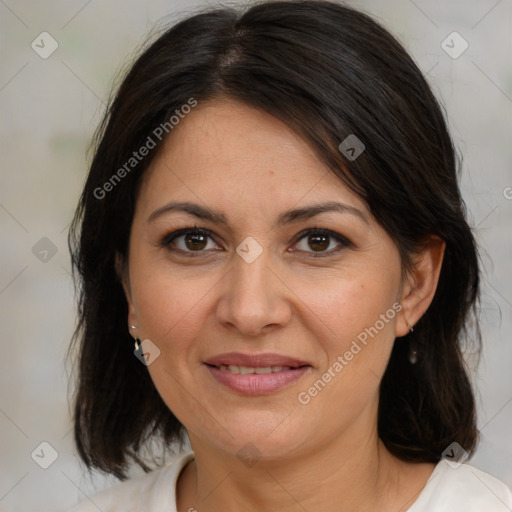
pixel 246 370
pixel 256 381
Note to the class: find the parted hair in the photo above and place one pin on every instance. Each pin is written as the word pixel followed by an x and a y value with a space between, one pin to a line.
pixel 328 71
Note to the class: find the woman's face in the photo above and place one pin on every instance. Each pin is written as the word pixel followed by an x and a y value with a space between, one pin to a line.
pixel 314 295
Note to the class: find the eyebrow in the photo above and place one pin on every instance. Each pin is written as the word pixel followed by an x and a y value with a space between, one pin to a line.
pixel 286 217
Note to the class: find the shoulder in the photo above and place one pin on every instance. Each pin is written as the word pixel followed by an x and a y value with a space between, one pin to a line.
pixel 149 493
pixel 454 488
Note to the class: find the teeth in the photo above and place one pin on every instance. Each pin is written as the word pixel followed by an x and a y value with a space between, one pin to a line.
pixel 246 370
pixel 268 369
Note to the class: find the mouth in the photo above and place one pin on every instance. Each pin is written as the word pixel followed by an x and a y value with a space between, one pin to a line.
pixel 260 370
pixel 260 374
pixel 264 360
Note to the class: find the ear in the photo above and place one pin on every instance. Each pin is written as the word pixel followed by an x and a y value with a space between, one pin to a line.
pixel 420 283
pixel 123 275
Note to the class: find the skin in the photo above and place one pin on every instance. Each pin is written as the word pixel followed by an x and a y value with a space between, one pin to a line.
pixel 251 167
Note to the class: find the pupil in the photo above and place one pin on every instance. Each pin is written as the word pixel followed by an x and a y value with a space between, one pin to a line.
pixel 322 241
pixel 195 241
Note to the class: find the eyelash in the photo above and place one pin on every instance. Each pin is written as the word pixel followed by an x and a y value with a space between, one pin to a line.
pixel 169 238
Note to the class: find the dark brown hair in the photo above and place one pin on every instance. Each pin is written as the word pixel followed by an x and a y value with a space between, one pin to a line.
pixel 327 71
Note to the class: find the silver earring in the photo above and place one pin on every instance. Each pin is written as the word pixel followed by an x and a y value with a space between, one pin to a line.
pixel 137 340
pixel 413 353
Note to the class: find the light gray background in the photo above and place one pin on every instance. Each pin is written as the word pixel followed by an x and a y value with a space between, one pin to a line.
pixel 49 109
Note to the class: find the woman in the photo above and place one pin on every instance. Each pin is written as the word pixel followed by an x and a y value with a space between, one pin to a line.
pixel 272 213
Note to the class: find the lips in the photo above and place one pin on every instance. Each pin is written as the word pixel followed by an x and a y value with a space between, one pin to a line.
pixel 256 374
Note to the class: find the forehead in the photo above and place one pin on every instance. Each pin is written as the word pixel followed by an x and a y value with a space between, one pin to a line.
pixel 227 152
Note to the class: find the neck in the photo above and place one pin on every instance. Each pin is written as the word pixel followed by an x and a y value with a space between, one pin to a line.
pixel 336 476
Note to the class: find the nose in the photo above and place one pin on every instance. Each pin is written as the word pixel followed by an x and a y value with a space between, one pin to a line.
pixel 254 297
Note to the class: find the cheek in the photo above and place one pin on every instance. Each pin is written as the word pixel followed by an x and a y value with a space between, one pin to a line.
pixel 169 305
pixel 354 318
pixel 171 312
pixel 347 304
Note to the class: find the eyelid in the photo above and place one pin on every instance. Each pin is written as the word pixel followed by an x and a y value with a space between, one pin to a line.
pixel 342 240
pixel 167 239
pixel 170 237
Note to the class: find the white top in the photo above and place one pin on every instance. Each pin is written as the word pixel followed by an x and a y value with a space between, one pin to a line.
pixel 449 489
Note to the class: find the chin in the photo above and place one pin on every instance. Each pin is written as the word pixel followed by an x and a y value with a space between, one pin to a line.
pixel 263 438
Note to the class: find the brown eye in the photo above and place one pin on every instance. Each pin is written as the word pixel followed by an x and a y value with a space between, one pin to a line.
pixel 196 241
pixel 319 241
pixel 189 241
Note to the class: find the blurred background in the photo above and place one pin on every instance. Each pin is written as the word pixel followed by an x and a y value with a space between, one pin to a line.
pixel 59 60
